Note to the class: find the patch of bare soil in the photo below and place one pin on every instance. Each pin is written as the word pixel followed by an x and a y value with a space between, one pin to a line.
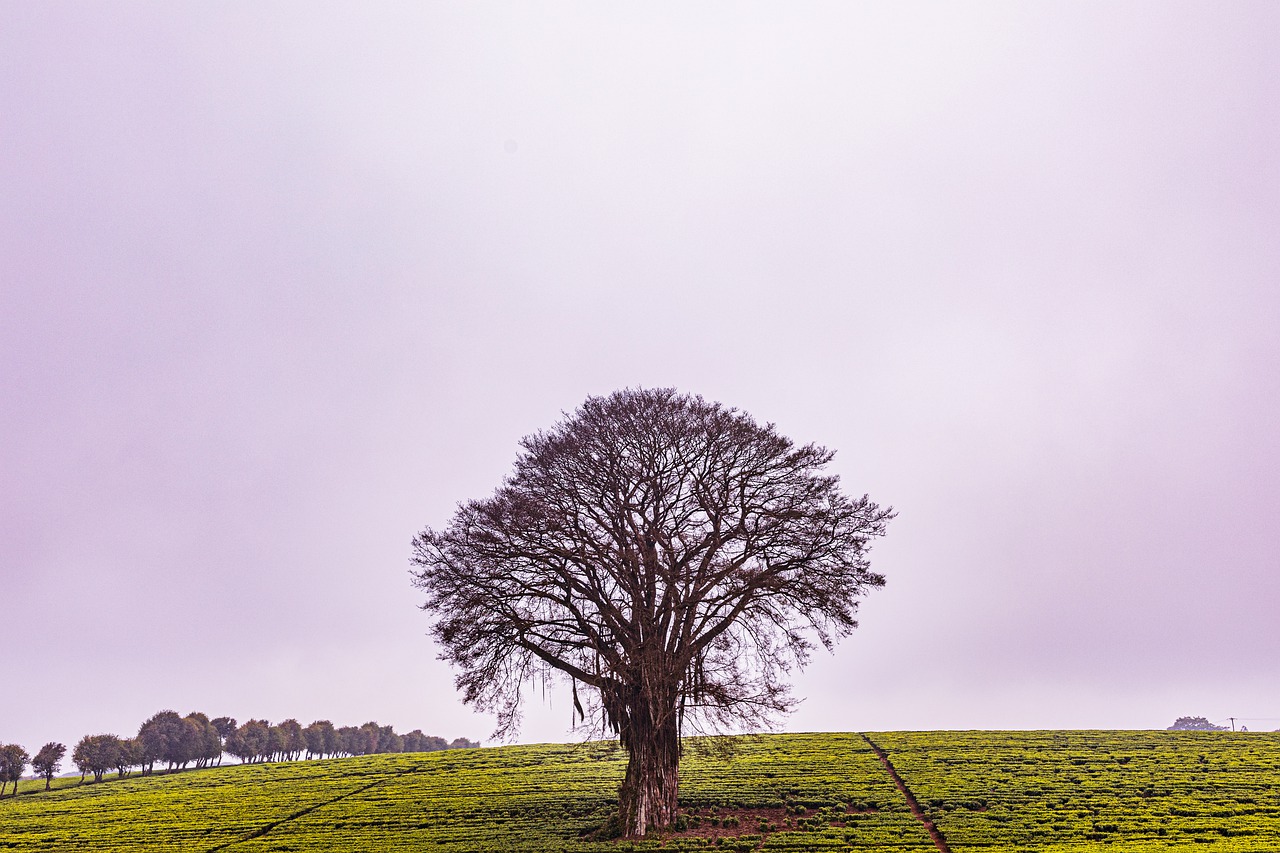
pixel 736 822
pixel 916 809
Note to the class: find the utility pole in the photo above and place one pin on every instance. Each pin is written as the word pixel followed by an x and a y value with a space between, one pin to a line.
pixel 1233 723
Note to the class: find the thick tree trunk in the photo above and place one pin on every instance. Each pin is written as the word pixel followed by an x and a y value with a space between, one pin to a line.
pixel 648 798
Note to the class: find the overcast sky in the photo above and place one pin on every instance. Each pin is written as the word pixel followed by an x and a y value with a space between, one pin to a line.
pixel 283 283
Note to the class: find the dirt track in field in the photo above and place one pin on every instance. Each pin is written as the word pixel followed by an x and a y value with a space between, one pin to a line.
pixel 912 802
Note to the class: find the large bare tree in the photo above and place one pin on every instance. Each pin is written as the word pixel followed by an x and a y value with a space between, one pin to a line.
pixel 672 558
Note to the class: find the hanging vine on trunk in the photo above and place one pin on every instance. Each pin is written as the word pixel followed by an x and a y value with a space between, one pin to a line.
pixel 672 556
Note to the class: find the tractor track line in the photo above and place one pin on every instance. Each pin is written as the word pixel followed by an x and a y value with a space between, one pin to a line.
pixel 263 830
pixel 936 834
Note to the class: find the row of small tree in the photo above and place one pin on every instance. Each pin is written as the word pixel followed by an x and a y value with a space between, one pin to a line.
pixel 258 740
pixel 196 740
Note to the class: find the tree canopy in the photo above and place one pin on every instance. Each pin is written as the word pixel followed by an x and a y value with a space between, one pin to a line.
pixel 97 754
pixel 1195 724
pixel 672 556
pixel 13 760
pixel 48 761
pixel 179 741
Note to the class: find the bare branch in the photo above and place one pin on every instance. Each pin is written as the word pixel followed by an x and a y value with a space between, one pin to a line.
pixel 671 555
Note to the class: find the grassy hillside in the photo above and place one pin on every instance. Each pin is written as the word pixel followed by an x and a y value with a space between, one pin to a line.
pixel 1052 791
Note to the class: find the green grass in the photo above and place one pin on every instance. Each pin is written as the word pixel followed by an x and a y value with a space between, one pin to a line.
pixel 989 791
pixel 32 786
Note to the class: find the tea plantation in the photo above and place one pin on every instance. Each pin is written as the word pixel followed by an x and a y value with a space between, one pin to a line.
pixel 1116 791
pixel 989 791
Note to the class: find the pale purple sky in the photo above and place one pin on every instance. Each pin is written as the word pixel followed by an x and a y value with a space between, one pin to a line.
pixel 282 283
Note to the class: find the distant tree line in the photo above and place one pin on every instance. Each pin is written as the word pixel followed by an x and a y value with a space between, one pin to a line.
pixel 197 741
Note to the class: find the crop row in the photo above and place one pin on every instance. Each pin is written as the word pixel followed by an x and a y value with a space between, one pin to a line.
pixel 193 811
pixel 1046 792
pixel 546 797
pixel 1132 791
pixel 526 798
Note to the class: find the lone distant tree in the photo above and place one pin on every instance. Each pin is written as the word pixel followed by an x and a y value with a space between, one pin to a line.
pixel 48 761
pixel 1195 724
pixel 672 555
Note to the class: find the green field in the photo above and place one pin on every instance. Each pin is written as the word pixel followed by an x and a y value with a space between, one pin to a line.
pixel 1050 791
pixel 1120 791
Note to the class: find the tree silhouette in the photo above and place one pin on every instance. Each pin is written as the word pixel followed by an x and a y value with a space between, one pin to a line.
pixel 97 754
pixel 249 742
pixel 164 737
pixel 201 742
pixel 275 745
pixel 349 740
pixel 294 741
pixel 48 761
pixel 80 757
pixel 671 555
pixel 1195 724
pixel 320 738
pixel 225 727
pixel 13 760
pixel 130 755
